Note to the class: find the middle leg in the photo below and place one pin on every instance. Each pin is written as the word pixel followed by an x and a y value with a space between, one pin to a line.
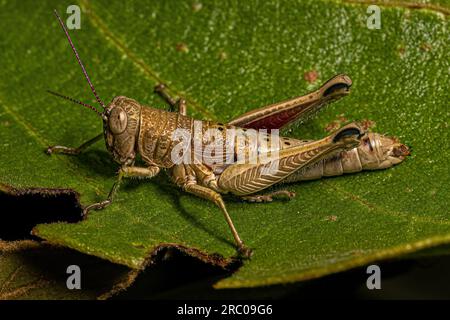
pixel 180 103
pixel 124 172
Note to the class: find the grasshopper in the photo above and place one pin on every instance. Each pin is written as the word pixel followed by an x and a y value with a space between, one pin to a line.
pixel 131 130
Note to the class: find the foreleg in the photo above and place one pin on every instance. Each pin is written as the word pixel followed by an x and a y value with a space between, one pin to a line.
pixel 124 172
pixel 74 151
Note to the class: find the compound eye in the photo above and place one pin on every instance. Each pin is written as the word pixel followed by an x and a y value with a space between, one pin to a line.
pixel 117 121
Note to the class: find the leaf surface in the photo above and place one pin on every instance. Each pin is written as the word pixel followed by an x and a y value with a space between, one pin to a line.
pixel 226 58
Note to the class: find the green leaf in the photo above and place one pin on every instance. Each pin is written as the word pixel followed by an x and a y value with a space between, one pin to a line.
pixel 236 56
pixel 31 270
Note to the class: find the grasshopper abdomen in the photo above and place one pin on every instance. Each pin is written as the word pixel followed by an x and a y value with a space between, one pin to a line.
pixel 376 151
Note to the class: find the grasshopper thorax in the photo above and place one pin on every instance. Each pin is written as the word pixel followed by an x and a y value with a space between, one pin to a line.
pixel 121 128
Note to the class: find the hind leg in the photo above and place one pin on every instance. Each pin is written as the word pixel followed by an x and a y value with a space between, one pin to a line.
pixel 185 177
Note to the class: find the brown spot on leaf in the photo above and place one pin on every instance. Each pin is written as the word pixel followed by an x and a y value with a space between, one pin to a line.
pixel 401 50
pixel 223 56
pixel 367 124
pixel 182 47
pixel 336 124
pixel 332 126
pixel 311 76
pixel 197 6
pixel 342 119
pixel 425 46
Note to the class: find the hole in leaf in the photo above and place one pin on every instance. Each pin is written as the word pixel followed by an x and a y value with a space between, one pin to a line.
pixel 20 213
pixel 173 273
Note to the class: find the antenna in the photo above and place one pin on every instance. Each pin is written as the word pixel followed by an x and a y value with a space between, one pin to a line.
pixel 75 101
pixel 79 62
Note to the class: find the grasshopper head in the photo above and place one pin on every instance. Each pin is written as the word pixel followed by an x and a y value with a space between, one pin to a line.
pixel 121 128
pixel 378 151
pixel 120 117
